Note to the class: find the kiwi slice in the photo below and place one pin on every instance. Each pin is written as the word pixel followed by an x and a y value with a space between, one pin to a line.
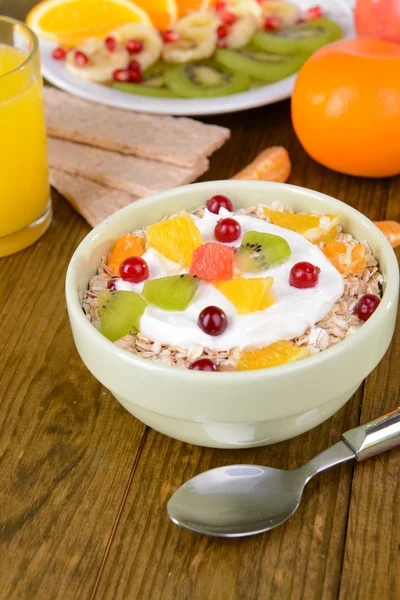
pixel 120 313
pixel 205 80
pixel 260 251
pixel 171 293
pixel 153 83
pixel 258 64
pixel 303 38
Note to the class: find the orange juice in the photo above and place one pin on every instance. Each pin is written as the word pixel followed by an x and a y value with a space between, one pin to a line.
pixel 25 211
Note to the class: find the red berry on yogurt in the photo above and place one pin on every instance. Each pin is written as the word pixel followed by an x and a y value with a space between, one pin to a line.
pixel 59 53
pixel 81 59
pixel 110 43
pixel 134 269
pixel 367 306
pixel 134 46
pixel 212 320
pixel 217 202
pixel 203 364
pixel 304 275
pixel 227 230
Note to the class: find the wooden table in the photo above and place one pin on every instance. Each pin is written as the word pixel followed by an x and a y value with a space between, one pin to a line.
pixel 84 485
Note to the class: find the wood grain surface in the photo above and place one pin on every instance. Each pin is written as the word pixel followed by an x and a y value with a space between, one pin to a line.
pixel 84 485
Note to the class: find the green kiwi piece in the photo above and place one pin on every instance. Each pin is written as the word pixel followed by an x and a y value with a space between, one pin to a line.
pixel 205 80
pixel 260 251
pixel 120 313
pixel 258 64
pixel 171 293
pixel 153 83
pixel 303 38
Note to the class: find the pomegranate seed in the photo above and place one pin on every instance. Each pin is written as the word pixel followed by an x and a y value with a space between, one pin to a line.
pixel 222 44
pixel 228 17
pixel 304 275
pixel 135 76
pixel 121 75
pixel 227 230
pixel 111 285
pixel 217 202
pixel 59 54
pixel 81 59
pixel 221 6
pixel 171 36
pixel 134 46
pixel 366 306
pixel 222 31
pixel 134 67
pixel 203 364
pixel 315 12
pixel 110 43
pixel 212 320
pixel 134 269
pixel 272 24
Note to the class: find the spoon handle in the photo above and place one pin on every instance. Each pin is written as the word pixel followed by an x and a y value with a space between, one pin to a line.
pixel 375 437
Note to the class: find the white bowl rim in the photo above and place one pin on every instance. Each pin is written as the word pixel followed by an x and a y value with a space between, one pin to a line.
pixel 389 296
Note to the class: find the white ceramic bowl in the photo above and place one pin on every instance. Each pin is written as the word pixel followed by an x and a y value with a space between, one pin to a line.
pixel 232 410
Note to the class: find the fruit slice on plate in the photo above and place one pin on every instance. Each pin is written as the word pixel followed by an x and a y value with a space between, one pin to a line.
pixel 315 228
pixel 171 293
pixel 120 313
pixel 71 22
pixel 346 259
pixel 305 38
pixel 127 245
pixel 202 80
pixel 272 164
pixel 279 353
pixel 260 251
pixel 213 262
pixel 152 84
pixel 163 13
pixel 176 238
pixel 248 295
pixel 259 64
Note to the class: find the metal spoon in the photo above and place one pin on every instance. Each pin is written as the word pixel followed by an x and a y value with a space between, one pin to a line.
pixel 241 500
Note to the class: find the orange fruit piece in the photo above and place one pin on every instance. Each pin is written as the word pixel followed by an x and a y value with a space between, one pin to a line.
pixel 391 229
pixel 213 262
pixel 176 238
pixel 163 13
pixel 346 259
pixel 346 107
pixel 273 164
pixel 127 245
pixel 70 22
pixel 307 224
pixel 186 7
pixel 248 295
pixel 279 353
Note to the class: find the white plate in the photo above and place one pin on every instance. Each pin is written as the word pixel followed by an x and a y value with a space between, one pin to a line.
pixel 56 73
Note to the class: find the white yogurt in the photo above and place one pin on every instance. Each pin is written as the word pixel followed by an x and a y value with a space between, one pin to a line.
pixel 294 311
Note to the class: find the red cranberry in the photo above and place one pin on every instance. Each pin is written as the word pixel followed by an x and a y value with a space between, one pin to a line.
pixel 111 285
pixel 134 269
pixel 81 59
pixel 216 202
pixel 212 320
pixel 366 306
pixel 272 24
pixel 227 230
pixel 121 75
pixel 203 364
pixel 134 46
pixel 228 17
pixel 171 36
pixel 222 31
pixel 304 275
pixel 315 12
pixel 110 43
pixel 59 53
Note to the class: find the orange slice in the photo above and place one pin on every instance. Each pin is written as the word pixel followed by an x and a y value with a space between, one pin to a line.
pixel 185 7
pixel 346 259
pixel 279 353
pixel 273 164
pixel 163 13
pixel 316 228
pixel 127 245
pixel 248 295
pixel 176 238
pixel 391 229
pixel 70 22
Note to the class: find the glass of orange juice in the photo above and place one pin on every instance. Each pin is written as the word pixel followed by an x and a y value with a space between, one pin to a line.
pixel 25 204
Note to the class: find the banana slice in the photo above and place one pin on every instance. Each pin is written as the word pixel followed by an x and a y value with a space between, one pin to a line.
pixel 243 8
pixel 241 32
pixel 152 42
pixel 101 62
pixel 198 38
pixel 287 12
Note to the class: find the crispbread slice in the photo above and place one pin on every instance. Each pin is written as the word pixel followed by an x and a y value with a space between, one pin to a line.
pixel 178 141
pixel 93 201
pixel 137 176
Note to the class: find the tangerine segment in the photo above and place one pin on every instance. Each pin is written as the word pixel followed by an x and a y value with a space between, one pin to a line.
pixel 127 245
pixel 315 228
pixel 176 238
pixel 247 295
pixel 186 7
pixel 279 353
pixel 71 22
pixel 213 262
pixel 346 259
pixel 391 229
pixel 163 13
pixel 273 164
